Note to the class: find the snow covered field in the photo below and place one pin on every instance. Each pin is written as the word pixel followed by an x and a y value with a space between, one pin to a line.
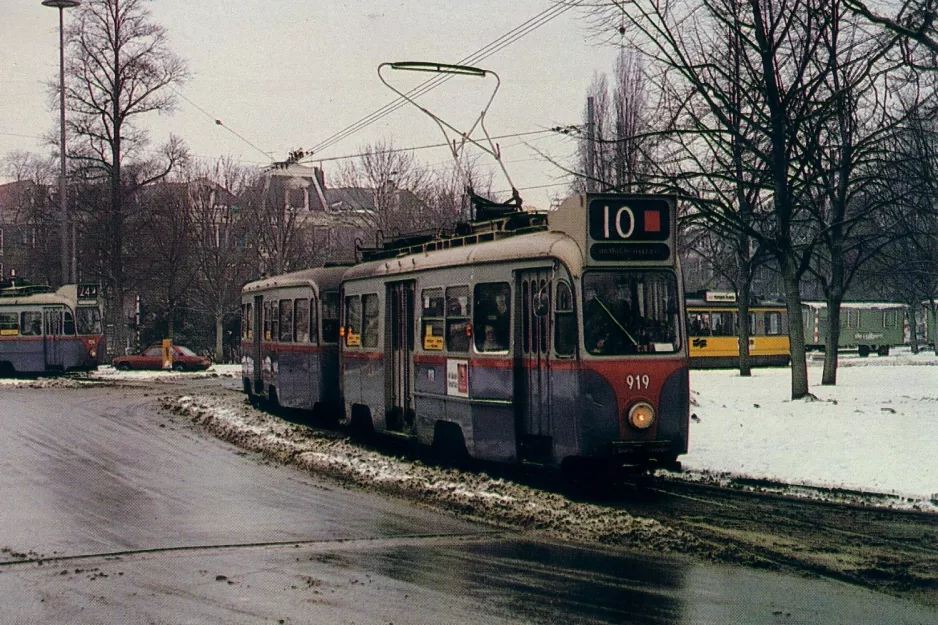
pixel 876 432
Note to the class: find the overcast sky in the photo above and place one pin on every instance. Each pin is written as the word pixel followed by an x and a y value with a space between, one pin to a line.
pixel 289 74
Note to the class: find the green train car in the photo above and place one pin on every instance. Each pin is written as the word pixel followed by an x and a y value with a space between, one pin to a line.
pixel 864 326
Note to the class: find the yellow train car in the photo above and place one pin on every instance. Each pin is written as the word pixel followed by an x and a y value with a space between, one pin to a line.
pixel 713 332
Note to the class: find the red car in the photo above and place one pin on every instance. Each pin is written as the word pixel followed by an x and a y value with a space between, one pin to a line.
pixel 184 359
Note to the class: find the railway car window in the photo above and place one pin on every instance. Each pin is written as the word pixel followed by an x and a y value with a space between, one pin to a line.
pixel 248 321
pixel 773 323
pixel 353 321
pixel 890 319
pixel 313 321
pixel 267 321
pixel 31 323
pixel 431 319
pixel 301 320
pixel 630 312
pixel 370 311
pixel 88 319
pixel 285 319
pixel 851 318
pixel 723 324
pixel 457 318
pixel 9 324
pixel 69 323
pixel 492 321
pixel 330 317
pixel 564 321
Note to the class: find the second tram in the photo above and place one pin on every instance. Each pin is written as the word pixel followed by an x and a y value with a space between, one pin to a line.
pixel 46 331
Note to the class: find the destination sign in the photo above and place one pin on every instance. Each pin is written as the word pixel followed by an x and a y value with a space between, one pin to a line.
pixel 630 229
pixel 613 219
pixel 87 291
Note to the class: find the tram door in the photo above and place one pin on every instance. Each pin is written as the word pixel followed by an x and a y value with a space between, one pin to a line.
pixel 533 366
pixel 53 345
pixel 399 358
pixel 257 327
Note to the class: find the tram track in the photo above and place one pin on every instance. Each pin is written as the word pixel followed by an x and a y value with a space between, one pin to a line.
pixel 893 551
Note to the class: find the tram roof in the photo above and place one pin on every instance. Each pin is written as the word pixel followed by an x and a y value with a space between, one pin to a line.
pixel 532 246
pixel 36 299
pixel 319 278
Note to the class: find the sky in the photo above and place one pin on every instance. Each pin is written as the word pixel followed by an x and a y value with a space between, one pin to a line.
pixel 290 74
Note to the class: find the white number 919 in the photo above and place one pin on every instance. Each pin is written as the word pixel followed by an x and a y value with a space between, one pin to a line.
pixel 638 382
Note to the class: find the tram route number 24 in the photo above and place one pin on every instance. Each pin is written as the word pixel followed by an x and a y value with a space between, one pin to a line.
pixel 638 382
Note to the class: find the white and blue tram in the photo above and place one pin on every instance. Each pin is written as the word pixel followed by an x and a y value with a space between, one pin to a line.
pixel 46 331
pixel 289 339
pixel 556 339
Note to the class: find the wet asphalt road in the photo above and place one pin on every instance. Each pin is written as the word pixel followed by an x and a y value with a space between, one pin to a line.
pixel 111 513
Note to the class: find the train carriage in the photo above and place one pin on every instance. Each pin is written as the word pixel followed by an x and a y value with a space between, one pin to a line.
pixel 713 332
pixel 864 326
pixel 46 331
pixel 559 344
pixel 289 339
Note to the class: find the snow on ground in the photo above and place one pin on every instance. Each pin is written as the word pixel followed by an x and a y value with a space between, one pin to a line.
pixel 874 433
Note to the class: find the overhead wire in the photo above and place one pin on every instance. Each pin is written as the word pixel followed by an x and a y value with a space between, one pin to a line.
pixel 486 51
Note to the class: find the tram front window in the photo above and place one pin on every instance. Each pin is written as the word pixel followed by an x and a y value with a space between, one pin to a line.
pixel 630 312
pixel 88 319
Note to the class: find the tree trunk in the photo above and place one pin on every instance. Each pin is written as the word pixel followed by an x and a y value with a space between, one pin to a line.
pixel 745 361
pixel 831 342
pixel 219 337
pixel 799 366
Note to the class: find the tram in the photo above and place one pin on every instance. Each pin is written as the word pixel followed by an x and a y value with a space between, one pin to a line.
pixel 289 340
pixel 713 332
pixel 46 331
pixel 556 339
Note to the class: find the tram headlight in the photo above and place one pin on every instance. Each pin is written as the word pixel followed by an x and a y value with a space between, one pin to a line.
pixel 641 416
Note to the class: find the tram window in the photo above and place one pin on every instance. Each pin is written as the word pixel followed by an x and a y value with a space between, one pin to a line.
pixel 313 326
pixel 9 324
pixel 274 321
pixel 247 322
pixel 285 320
pixel 88 319
pixel 353 321
pixel 330 317
pixel 773 323
pixel 457 318
pixel 723 324
pixel 564 321
pixel 370 330
pixel 31 323
pixel 301 320
pixel 630 312
pixel 431 319
pixel 492 321
pixel 698 323
pixel 69 323
pixel 267 320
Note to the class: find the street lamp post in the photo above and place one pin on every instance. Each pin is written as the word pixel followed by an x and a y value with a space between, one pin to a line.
pixel 67 275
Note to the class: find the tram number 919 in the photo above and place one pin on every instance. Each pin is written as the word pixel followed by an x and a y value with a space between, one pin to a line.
pixel 638 382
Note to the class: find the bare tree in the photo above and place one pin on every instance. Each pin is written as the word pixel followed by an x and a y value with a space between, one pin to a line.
pixel 220 241
pixel 120 67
